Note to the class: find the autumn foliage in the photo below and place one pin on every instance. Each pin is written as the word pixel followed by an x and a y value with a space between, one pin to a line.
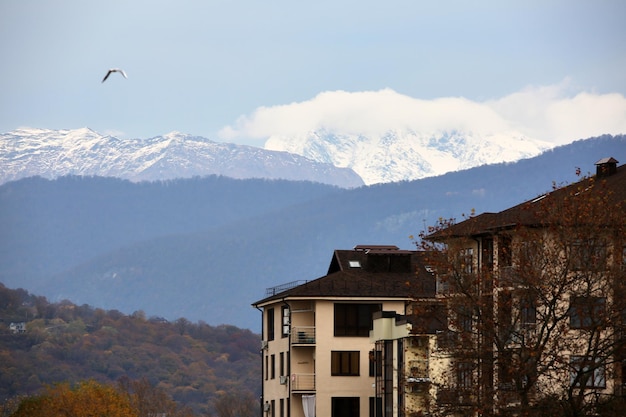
pixel 191 363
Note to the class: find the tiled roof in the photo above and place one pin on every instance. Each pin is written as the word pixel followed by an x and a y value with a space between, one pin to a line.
pixel 368 271
pixel 613 186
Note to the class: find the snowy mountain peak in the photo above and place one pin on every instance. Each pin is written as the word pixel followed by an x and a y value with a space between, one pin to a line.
pixel 398 154
pixel 49 153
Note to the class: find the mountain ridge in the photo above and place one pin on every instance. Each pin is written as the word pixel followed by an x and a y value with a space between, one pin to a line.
pixel 343 159
pixel 50 153
pixel 404 154
pixel 205 248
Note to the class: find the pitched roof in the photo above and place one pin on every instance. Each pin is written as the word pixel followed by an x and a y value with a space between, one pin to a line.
pixel 612 186
pixel 367 271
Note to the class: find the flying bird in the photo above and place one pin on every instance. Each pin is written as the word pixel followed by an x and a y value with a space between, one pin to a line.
pixel 114 70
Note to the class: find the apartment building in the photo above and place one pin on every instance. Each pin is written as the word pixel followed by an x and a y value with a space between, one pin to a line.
pixel 536 304
pixel 318 359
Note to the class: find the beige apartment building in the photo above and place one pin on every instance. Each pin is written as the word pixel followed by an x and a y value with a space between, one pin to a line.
pixel 537 304
pixel 318 359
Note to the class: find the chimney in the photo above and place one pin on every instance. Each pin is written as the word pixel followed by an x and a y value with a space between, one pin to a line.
pixel 606 167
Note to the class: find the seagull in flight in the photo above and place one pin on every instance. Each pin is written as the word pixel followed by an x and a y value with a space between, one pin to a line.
pixel 114 70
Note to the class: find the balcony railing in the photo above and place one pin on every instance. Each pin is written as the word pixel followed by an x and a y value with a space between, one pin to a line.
pixel 303 382
pixel 303 335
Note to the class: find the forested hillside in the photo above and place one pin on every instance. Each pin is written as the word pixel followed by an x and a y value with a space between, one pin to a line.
pixel 63 342
pixel 206 248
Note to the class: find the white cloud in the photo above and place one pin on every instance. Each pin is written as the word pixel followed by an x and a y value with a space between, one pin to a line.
pixel 545 113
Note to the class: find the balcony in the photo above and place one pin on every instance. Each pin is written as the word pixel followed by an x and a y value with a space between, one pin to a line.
pixel 303 382
pixel 303 335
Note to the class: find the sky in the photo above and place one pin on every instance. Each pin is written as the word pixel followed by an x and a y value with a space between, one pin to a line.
pixel 244 70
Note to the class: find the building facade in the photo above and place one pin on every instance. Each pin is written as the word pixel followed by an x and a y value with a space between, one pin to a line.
pixel 536 303
pixel 318 359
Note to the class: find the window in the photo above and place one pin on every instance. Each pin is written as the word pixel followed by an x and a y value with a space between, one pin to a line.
pixel 345 407
pixel 465 375
pixel 464 318
pixel 267 367
pixel 273 366
pixel 466 257
pixel 344 363
pixel 376 363
pixel 588 255
pixel 270 324
pixel 586 312
pixel 282 407
pixel 282 363
pixel 587 372
pixel 376 406
pixel 505 257
pixel 528 311
pixel 354 319
pixel 284 313
pixel 273 408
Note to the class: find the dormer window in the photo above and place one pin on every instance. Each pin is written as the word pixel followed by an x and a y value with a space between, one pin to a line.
pixel 354 264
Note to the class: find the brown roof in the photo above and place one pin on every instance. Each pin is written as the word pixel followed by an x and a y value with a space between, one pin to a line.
pixel 612 186
pixel 368 271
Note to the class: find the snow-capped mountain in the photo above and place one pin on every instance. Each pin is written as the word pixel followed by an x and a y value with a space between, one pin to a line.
pixel 53 153
pixel 407 155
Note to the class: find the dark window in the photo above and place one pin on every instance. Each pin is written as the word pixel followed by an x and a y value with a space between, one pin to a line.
pixel 282 363
pixel 467 260
pixel 345 363
pixel 273 366
pixel 505 257
pixel 587 372
pixel 376 363
pixel 284 313
pixel 273 408
pixel 465 375
pixel 588 255
pixel 354 319
pixel 528 312
pixel 270 324
pixel 586 312
pixel 267 367
pixel 282 407
pixel 376 407
pixel 464 318
pixel 345 407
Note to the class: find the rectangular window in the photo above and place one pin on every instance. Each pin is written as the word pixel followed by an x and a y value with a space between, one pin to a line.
pixel 467 260
pixel 464 318
pixel 345 407
pixel 286 321
pixel 267 367
pixel 282 407
pixel 505 254
pixel 586 312
pixel 354 319
pixel 273 408
pixel 588 255
pixel 344 363
pixel 528 312
pixel 282 363
pixel 376 406
pixel 273 366
pixel 376 363
pixel 465 375
pixel 587 372
pixel 270 324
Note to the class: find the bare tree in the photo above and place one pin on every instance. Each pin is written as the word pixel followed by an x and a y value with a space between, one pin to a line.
pixel 536 300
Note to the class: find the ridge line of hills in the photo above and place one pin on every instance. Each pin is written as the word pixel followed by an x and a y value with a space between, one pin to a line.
pixel 204 248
